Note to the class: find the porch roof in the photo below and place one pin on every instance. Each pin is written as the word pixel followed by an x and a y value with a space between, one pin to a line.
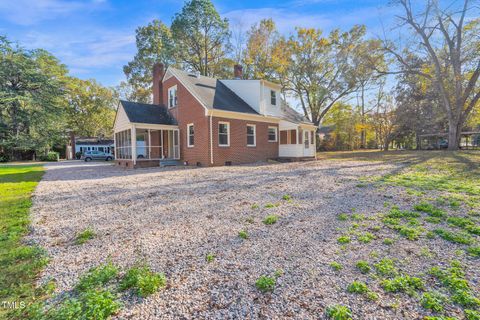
pixel 147 113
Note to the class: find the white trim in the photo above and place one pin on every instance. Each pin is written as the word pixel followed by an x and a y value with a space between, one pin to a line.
pixel 254 135
pixel 276 134
pixel 175 100
pixel 228 133
pixel 211 141
pixel 154 126
pixel 188 135
pixel 242 116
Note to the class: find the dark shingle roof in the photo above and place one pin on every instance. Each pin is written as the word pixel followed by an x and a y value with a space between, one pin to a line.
pixel 291 115
pixel 212 93
pixel 147 113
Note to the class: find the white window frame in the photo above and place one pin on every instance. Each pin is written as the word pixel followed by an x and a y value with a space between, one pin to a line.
pixel 175 97
pixel 254 135
pixel 273 93
pixel 276 134
pixel 228 133
pixel 306 139
pixel 188 135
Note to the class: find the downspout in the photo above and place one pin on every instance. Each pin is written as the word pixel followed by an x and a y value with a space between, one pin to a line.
pixel 211 140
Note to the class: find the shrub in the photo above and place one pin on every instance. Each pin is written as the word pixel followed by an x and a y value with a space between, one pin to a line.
pixel 339 312
pixel 78 155
pixel 4 157
pixel 455 237
pixel 243 234
pixel 386 267
pixel 97 277
pixel 336 266
pixel 270 219
pixel 92 304
pixel 144 281
pixel 357 287
pixel 363 266
pixel 50 156
pixel 209 257
pixel 433 301
pixel 265 283
pixel 84 236
pixel 403 283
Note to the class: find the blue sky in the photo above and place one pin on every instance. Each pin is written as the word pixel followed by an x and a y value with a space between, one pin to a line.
pixel 95 38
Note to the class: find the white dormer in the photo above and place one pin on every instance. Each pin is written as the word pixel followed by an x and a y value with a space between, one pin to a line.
pixel 263 96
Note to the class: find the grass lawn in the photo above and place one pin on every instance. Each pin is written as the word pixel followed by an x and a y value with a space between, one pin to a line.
pixel 20 263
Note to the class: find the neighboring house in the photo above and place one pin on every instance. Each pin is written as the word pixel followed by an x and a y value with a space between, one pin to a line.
pixel 81 144
pixel 209 122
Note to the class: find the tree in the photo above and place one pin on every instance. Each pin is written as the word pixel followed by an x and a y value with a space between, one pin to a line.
pixel 201 38
pixel 450 42
pixel 31 99
pixel 318 70
pixel 346 124
pixel 383 120
pixel 90 109
pixel 258 59
pixel 154 43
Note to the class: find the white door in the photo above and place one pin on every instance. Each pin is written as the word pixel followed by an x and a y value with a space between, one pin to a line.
pixel 306 143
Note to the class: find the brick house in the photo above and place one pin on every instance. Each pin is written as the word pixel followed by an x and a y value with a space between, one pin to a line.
pixel 210 122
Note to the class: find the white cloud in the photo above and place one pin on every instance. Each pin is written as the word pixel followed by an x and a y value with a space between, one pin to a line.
pixel 30 12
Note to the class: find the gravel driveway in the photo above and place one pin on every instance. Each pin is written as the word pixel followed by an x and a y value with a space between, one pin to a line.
pixel 171 218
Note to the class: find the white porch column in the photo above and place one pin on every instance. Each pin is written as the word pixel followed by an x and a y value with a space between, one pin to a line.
pixel 134 144
pixel 161 141
pixel 149 145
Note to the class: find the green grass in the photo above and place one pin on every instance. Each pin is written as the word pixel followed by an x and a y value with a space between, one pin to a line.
pixel 270 219
pixel 19 263
pixel 474 251
pixel 455 237
pixel 243 234
pixel 143 280
pixel 265 284
pixel 430 209
pixel 339 312
pixel 363 266
pixel 97 277
pixel 433 301
pixel 336 266
pixel 85 235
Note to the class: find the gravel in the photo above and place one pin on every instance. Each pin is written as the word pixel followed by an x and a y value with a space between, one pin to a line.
pixel 172 218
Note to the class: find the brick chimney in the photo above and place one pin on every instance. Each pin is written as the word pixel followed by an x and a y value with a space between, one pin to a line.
pixel 158 71
pixel 238 72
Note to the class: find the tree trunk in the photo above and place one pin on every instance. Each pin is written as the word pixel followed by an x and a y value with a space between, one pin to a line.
pixel 454 134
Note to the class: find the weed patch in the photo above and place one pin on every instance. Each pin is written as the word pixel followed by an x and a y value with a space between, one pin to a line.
pixel 143 281
pixel 84 236
pixel 270 219
pixel 339 312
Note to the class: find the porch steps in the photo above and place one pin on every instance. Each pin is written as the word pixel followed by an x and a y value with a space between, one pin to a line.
pixel 165 163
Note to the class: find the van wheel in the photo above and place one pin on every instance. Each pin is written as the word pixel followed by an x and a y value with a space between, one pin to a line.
pixel 109 159
pixel 88 159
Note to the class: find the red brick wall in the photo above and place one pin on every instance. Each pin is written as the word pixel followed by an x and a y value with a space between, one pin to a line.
pixel 189 110
pixel 238 152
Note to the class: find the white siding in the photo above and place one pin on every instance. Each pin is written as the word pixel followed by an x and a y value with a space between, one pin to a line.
pixel 248 90
pixel 269 109
pixel 121 120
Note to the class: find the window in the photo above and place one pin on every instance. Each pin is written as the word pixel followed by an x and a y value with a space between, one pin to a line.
pixel 172 97
pixel 224 134
pixel 273 97
pixel 272 134
pixel 306 140
pixel 190 135
pixel 251 133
